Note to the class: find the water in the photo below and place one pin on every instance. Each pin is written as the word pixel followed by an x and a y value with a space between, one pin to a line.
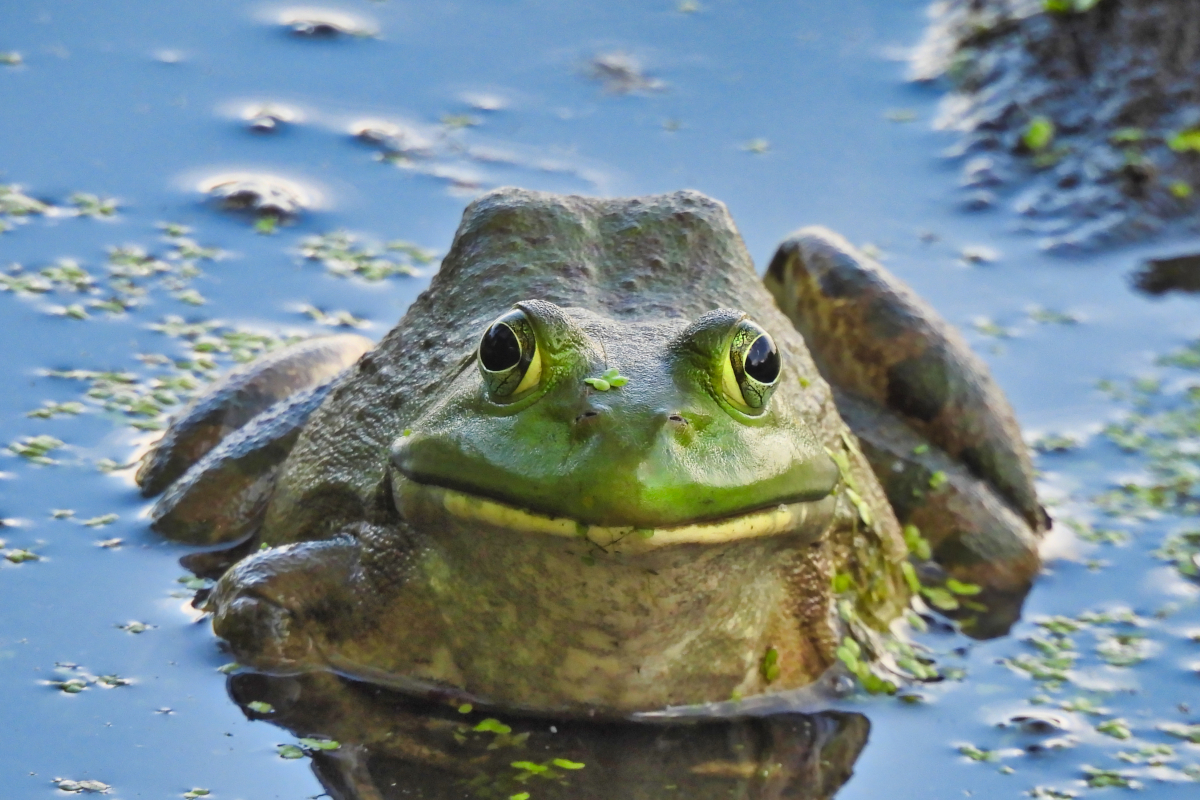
pixel 777 109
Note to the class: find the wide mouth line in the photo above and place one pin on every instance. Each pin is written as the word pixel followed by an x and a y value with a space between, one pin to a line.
pixel 811 517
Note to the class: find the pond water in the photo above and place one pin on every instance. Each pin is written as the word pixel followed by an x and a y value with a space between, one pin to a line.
pixel 792 113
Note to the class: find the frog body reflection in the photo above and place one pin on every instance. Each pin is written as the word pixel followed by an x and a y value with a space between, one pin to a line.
pixel 368 743
pixel 601 468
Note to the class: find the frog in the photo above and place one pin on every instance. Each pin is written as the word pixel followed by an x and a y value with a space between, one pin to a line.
pixel 601 468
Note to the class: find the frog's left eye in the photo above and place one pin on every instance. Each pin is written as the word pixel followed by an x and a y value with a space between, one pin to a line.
pixel 508 357
pixel 752 370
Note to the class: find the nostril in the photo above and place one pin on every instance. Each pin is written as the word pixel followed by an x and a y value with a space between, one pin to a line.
pixel 586 415
pixel 677 419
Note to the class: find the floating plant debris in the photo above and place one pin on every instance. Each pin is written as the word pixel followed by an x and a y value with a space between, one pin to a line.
pixel 621 73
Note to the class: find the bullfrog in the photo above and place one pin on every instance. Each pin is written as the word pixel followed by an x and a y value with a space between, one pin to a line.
pixel 602 468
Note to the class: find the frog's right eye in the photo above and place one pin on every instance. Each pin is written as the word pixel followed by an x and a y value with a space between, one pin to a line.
pixel 508 357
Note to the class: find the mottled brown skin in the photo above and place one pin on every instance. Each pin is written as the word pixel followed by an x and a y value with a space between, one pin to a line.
pixel 363 579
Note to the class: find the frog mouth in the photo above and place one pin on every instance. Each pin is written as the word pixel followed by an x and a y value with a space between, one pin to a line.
pixel 806 521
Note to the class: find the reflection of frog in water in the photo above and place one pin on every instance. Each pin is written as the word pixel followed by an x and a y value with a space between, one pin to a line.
pixel 389 746
pixel 597 468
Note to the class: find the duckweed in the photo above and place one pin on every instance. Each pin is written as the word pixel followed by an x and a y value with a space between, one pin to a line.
pixel 90 205
pixel 36 448
pixel 1039 134
pixel 21 556
pixel 1070 6
pixel 1189 733
pixel 611 379
pixel 310 743
pixel 1116 728
pixel 1099 778
pixel 333 319
pixel 343 256
pixel 769 668
pixel 1185 141
pixel 15 203
pixel 1180 189
pixel 976 754
pixel 88 786
pixel 72 686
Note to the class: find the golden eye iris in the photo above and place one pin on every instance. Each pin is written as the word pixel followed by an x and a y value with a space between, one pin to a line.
pixel 508 356
pixel 752 369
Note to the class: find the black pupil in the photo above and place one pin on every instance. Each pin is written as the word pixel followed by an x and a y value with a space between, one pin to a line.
pixel 499 349
pixel 762 360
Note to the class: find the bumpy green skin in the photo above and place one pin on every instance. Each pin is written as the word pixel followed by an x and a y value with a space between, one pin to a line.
pixel 370 569
pixel 420 600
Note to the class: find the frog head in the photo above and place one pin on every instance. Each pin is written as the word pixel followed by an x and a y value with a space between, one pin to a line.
pixel 565 421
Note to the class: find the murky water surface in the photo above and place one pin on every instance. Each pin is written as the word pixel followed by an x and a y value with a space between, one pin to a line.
pixel 790 112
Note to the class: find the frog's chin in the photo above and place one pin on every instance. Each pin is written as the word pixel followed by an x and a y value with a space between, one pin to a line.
pixel 804 521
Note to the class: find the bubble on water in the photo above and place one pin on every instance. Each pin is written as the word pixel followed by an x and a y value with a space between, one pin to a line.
pixel 269 117
pixel 324 23
pixel 1039 723
pixel 260 194
pixel 485 101
pixel 393 137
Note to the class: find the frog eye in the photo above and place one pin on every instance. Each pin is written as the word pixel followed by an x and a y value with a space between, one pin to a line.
pixel 508 357
pixel 752 369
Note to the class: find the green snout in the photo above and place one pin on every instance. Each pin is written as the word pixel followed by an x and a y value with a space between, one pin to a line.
pixel 617 463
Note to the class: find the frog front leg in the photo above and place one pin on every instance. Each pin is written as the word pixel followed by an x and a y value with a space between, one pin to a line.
pixel 276 607
pixel 938 431
pixel 345 604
